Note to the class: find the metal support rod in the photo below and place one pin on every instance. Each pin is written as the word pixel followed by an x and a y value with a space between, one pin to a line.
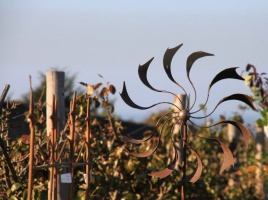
pixel 54 150
pixel 72 132
pixel 184 140
pixel 31 158
pixel 180 102
pixel 88 149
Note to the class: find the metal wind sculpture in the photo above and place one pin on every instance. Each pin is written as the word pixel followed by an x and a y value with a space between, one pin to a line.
pixel 185 116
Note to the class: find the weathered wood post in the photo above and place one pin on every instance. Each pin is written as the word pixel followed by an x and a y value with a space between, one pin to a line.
pixel 260 149
pixel 55 88
pixel 180 102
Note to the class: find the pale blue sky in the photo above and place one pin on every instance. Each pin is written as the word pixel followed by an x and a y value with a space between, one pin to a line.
pixel 112 38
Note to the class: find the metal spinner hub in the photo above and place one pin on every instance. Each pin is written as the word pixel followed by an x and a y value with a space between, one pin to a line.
pixel 184 115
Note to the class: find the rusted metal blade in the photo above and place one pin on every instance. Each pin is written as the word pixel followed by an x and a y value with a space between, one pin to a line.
pixel 226 74
pixel 124 95
pixel 143 75
pixel 155 140
pixel 168 56
pixel 240 97
pixel 190 61
pixel 228 159
pixel 192 58
pixel 138 141
pixel 245 132
pixel 198 171
pixel 167 171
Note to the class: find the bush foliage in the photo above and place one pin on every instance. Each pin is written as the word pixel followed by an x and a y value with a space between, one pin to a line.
pixel 116 174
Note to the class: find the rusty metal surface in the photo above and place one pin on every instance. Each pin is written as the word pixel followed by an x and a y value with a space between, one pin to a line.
pixel 185 115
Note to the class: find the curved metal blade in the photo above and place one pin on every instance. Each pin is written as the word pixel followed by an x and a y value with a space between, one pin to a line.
pixel 192 58
pixel 168 56
pixel 156 139
pixel 225 74
pixel 190 61
pixel 198 171
pixel 245 132
pixel 228 159
pixel 124 95
pixel 243 129
pixel 240 97
pixel 138 141
pixel 143 74
pixel 167 171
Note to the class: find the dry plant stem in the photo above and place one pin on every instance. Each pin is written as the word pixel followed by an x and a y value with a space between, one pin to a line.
pixel 9 163
pixel 2 142
pixel 111 123
pixel 3 96
pixel 10 166
pixel 184 138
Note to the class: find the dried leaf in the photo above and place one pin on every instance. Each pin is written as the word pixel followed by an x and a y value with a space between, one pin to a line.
pixel 104 104
pixel 111 108
pixel 96 102
pixel 104 92
pixel 112 89
pixel 97 86
pixel 82 83
pixel 249 66
pixel 90 89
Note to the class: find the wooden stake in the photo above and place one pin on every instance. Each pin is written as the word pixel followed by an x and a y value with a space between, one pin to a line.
pixel 55 89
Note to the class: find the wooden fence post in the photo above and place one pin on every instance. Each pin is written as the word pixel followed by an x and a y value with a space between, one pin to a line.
pixel 260 149
pixel 180 102
pixel 55 88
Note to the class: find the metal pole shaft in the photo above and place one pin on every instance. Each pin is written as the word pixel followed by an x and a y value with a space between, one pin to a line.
pixel 184 140
pixel 72 132
pixel 30 174
pixel 88 150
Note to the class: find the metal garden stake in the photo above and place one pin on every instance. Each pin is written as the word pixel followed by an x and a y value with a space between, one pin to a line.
pixel 184 117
